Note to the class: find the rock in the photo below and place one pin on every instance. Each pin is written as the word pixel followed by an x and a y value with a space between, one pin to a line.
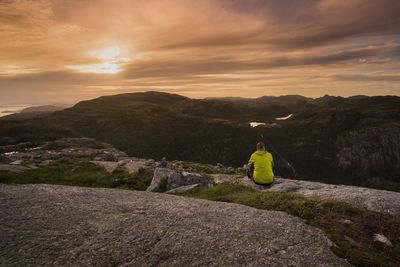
pixel 369 150
pixel 151 162
pixel 65 147
pixel 183 188
pixel 219 165
pixel 194 178
pixel 134 166
pixel 173 179
pixel 165 164
pixel 161 174
pixel 227 178
pixel 14 168
pixel 382 239
pixel 122 163
pixel 244 168
pixel 45 163
pixel 17 162
pixel 345 221
pixel 112 227
pixel 5 159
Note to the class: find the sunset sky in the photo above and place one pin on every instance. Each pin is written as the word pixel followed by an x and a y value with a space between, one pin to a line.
pixel 69 50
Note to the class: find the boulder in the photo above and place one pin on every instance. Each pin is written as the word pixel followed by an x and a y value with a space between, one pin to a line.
pixel 169 179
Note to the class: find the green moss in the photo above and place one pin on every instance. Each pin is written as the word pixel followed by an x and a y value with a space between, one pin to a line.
pixel 79 172
pixel 196 167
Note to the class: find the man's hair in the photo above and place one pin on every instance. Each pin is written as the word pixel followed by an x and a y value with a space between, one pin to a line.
pixel 260 146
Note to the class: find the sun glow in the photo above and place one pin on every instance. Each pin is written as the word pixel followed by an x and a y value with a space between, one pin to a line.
pixel 112 61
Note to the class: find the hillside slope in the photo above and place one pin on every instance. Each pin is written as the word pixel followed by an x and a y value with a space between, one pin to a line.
pixel 353 141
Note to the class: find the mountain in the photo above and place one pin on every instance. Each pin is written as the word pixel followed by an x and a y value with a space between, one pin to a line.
pixel 45 108
pixel 352 141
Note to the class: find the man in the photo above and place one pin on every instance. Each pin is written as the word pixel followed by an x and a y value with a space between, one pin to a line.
pixel 262 163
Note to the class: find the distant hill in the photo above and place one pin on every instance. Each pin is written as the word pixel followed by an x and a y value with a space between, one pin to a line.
pixel 45 108
pixel 331 139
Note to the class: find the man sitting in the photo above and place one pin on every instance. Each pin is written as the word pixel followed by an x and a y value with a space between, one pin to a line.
pixel 262 163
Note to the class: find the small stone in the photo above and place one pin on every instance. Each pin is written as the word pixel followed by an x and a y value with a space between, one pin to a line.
pixel 382 239
pixel 121 163
pixel 244 168
pixel 45 162
pixel 17 162
pixel 345 221
pixel 150 162
pixel 219 165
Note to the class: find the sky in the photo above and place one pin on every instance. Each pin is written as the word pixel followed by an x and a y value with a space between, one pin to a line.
pixel 64 51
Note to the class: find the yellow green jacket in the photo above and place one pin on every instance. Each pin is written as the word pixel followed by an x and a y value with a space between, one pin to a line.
pixel 262 162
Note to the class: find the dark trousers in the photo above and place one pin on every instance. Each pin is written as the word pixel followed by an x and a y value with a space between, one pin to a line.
pixel 262 184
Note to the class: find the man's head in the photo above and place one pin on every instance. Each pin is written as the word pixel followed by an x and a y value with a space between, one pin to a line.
pixel 260 146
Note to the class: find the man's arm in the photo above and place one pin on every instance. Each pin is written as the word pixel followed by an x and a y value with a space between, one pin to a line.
pixel 251 162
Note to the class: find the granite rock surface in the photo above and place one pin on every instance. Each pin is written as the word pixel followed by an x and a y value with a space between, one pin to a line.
pixel 49 225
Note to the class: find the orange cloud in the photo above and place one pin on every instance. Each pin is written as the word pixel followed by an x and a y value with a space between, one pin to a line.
pixel 68 49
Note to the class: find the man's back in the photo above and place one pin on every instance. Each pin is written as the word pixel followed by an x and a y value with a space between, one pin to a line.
pixel 262 162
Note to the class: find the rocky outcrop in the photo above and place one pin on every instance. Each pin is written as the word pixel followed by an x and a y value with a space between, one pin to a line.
pixel 66 147
pixel 72 226
pixel 13 168
pixel 372 150
pixel 169 179
pixel 129 164
pixel 372 199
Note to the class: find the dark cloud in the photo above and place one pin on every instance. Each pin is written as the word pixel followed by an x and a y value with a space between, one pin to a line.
pixel 298 24
pixel 366 77
pixel 182 68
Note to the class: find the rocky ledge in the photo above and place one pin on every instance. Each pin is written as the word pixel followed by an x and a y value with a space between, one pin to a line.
pixel 49 225
pixel 372 199
pixel 25 156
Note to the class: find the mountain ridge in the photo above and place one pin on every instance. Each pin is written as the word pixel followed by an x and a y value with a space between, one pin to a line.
pixel 320 142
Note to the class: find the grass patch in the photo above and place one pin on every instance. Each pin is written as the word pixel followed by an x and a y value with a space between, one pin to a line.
pixel 28 162
pixel 354 241
pixel 196 167
pixel 203 169
pixel 162 186
pixel 79 172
